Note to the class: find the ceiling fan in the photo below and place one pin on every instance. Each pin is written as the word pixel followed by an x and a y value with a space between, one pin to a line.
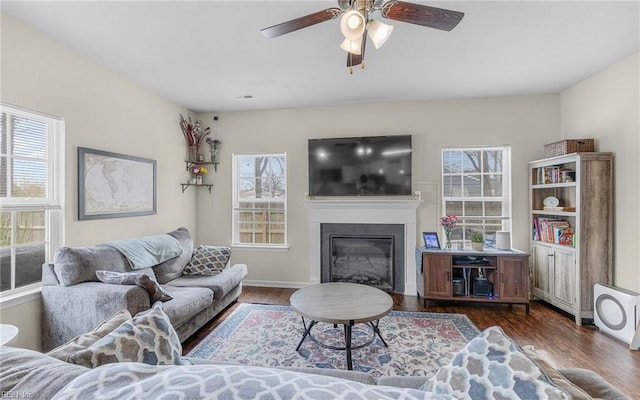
pixel 356 23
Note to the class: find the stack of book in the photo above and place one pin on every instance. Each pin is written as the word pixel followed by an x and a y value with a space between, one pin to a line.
pixel 553 230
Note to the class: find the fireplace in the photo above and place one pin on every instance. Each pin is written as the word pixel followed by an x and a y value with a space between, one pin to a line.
pixel 359 211
pixel 370 254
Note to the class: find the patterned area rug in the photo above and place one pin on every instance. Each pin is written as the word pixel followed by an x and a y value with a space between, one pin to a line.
pixel 267 335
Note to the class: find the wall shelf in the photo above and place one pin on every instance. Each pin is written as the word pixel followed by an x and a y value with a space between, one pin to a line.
pixel 186 185
pixel 191 163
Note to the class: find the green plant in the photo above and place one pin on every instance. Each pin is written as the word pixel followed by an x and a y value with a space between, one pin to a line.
pixel 477 237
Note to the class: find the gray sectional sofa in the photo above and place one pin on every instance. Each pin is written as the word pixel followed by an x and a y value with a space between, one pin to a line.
pixel 489 367
pixel 74 301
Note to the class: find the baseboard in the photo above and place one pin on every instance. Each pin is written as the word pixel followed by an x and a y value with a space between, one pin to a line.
pixel 275 284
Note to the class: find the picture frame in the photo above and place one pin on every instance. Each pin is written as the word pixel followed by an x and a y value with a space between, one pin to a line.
pixel 431 240
pixel 112 185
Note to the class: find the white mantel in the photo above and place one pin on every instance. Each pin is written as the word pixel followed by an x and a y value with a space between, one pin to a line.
pixel 364 211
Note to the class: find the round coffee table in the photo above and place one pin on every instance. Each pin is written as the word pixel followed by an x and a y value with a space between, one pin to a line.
pixel 8 334
pixel 341 303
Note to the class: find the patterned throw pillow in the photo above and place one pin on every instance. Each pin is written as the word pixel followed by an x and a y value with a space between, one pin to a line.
pixel 85 340
pixel 156 292
pixel 147 338
pixel 208 260
pixel 492 366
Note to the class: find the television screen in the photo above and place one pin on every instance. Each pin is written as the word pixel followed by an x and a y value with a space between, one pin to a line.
pixel 360 166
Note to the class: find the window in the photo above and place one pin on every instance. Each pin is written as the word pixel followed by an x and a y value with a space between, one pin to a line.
pixel 260 200
pixel 476 188
pixel 31 190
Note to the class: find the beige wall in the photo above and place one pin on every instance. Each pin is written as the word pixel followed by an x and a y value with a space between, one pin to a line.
pixel 606 106
pixel 524 122
pixel 102 110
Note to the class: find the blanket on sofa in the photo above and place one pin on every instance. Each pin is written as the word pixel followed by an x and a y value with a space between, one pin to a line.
pixel 147 251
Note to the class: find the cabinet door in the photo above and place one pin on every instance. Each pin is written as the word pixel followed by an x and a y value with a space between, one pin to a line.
pixel 541 271
pixel 437 275
pixel 564 278
pixel 513 278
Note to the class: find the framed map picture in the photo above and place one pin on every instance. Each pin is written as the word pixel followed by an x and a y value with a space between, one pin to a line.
pixel 112 185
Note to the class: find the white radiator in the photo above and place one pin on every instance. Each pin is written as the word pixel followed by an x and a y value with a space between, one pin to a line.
pixel 616 311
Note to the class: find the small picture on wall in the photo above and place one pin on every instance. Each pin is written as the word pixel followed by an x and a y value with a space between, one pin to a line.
pixel 431 240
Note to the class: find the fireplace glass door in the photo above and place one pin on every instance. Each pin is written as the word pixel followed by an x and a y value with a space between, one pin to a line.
pixel 362 259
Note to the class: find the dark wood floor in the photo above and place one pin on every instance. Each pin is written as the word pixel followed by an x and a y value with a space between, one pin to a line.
pixel 567 344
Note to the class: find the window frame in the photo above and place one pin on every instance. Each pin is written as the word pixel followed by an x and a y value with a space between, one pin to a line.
pixel 463 228
pixel 235 209
pixel 52 204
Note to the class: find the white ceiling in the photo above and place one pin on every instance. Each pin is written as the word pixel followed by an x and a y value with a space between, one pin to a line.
pixel 208 55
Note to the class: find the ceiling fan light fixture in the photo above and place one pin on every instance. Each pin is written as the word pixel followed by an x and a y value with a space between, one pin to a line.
pixel 352 46
pixel 352 25
pixel 378 32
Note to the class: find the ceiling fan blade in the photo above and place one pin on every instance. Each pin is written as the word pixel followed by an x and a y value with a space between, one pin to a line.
pixel 431 17
pixel 302 22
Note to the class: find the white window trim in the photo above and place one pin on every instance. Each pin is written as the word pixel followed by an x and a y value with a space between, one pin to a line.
pixel 54 200
pixel 234 201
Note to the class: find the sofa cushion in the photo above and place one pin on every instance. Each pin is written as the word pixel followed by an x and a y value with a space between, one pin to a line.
pixel 30 374
pixel 74 265
pixel 85 340
pixel 556 377
pixel 492 366
pixel 146 338
pixel 593 384
pixel 221 284
pixel 186 303
pixel 208 260
pixel 172 269
pixel 156 292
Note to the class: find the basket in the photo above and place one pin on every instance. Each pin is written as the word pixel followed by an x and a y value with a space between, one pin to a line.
pixel 568 146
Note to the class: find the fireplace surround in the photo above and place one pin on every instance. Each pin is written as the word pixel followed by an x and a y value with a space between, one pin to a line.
pixel 394 211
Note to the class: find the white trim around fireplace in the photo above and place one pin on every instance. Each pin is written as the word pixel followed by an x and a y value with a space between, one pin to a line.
pixel 364 211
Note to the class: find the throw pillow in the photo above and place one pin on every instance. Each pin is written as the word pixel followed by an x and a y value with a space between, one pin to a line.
pixel 85 340
pixel 117 278
pixel 172 269
pixel 146 338
pixel 491 366
pixel 156 292
pixel 208 260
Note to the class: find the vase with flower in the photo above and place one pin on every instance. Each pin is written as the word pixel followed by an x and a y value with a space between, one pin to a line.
pixel 448 222
pixel 194 134
pixel 198 171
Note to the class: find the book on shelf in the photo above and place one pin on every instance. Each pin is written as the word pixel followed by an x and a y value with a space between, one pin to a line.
pixel 548 175
pixel 554 174
pixel 552 230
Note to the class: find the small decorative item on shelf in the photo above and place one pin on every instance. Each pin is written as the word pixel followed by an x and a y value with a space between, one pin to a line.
pixel 448 222
pixel 214 145
pixel 193 134
pixel 198 171
pixel 477 241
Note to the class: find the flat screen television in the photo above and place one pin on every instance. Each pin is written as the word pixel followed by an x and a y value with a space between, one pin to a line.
pixel 360 166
